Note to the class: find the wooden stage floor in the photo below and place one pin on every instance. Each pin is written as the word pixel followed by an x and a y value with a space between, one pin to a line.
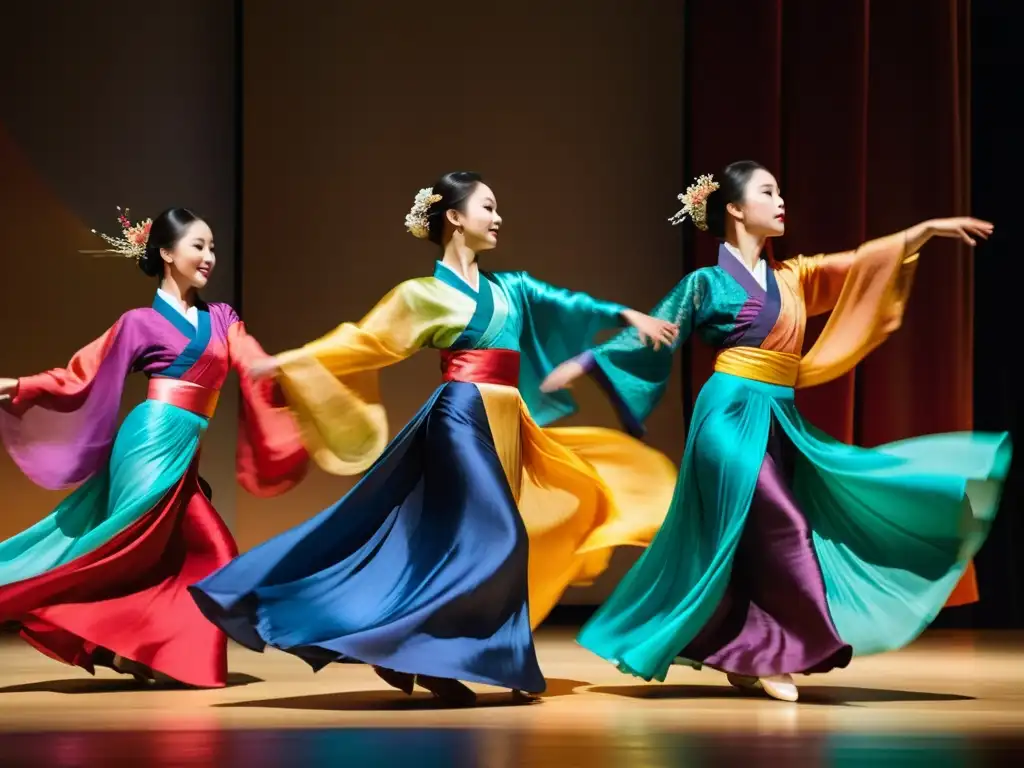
pixel 950 699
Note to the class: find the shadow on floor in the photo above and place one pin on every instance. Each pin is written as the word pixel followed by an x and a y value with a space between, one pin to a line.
pixel 827 695
pixel 395 700
pixel 113 685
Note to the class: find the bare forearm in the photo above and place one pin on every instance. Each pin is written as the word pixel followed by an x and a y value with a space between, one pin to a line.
pixel 918 235
pixel 629 316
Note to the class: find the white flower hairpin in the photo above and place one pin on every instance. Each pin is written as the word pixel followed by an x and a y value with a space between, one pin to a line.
pixel 416 220
pixel 695 202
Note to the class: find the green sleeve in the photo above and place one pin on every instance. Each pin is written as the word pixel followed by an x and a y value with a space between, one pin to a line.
pixel 634 374
pixel 557 324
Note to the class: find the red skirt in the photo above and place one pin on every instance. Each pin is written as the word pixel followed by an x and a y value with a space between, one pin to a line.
pixel 130 596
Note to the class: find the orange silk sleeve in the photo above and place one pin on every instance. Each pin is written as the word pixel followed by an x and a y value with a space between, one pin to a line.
pixel 866 291
pixel 966 591
pixel 271 458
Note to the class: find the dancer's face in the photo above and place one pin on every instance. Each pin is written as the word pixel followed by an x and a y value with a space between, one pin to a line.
pixel 763 211
pixel 193 257
pixel 479 221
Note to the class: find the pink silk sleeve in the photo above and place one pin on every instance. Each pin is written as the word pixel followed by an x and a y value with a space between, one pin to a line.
pixel 65 389
pixel 60 424
pixel 271 458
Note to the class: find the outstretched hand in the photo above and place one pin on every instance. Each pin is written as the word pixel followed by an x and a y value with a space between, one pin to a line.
pixel 264 369
pixel 8 389
pixel 651 330
pixel 562 377
pixel 965 228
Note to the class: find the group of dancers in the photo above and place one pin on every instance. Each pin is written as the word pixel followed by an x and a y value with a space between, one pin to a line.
pixel 774 550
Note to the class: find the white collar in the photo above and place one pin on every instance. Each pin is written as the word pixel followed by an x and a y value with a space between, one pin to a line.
pixel 759 270
pixel 191 314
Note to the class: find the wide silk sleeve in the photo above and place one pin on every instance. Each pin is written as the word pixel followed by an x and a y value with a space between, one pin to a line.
pixel 558 324
pixel 633 374
pixel 332 384
pixel 270 458
pixel 60 425
pixel 866 291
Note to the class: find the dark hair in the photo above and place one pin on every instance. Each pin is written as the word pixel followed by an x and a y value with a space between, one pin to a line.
pixel 732 183
pixel 167 230
pixel 454 189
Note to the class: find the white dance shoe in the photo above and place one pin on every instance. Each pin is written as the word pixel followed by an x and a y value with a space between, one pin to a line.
pixel 781 687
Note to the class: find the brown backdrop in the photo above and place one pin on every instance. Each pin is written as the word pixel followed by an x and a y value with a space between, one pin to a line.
pixel 863 110
pixel 102 104
pixel 571 110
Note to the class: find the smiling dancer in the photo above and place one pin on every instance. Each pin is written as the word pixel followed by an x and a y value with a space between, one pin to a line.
pixel 101 580
pixel 473 521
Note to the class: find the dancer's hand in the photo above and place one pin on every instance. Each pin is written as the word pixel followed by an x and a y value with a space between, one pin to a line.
pixel 562 377
pixel 8 389
pixel 962 227
pixel 264 369
pixel 651 329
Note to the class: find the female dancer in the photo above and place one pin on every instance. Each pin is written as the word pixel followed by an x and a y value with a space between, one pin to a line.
pixel 784 550
pixel 101 581
pixel 422 569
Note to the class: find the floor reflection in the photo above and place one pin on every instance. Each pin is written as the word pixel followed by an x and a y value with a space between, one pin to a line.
pixel 496 748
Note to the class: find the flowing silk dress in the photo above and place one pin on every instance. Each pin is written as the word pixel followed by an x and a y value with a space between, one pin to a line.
pixel 786 551
pixel 107 570
pixel 468 527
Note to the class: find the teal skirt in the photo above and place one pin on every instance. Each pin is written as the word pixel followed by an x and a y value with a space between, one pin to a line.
pixel 106 573
pixel 154 447
pixel 888 531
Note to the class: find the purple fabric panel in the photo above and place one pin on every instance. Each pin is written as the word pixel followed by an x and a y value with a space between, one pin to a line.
pixel 759 314
pixel 744 318
pixel 739 273
pixel 769 314
pixel 60 449
pixel 222 317
pixel 774 618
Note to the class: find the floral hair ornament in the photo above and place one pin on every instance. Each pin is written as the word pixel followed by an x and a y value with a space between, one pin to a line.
pixel 131 244
pixel 695 202
pixel 416 220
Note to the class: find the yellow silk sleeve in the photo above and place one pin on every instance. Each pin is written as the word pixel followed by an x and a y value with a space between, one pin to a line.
pixel 332 384
pixel 866 291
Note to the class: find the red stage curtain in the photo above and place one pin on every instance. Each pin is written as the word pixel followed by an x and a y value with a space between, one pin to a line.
pixel 861 109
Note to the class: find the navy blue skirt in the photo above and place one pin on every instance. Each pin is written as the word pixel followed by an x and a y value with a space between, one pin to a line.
pixel 421 568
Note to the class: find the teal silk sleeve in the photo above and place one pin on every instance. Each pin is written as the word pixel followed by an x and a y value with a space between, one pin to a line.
pixel 557 324
pixel 634 374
